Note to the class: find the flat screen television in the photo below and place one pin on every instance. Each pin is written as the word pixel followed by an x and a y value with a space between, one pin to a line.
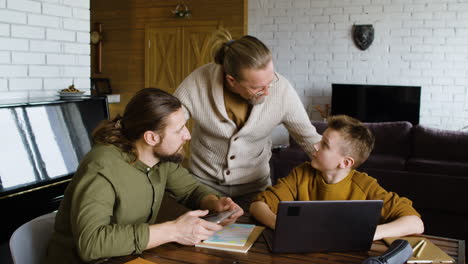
pixel 377 103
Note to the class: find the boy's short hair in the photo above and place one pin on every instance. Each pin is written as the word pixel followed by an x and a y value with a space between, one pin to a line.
pixel 359 138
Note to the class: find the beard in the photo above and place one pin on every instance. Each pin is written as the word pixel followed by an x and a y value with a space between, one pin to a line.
pixel 176 157
pixel 256 100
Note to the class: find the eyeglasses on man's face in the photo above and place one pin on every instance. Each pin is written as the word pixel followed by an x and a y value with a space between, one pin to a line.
pixel 259 90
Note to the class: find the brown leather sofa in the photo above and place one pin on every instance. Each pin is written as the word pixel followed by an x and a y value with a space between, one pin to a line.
pixel 427 165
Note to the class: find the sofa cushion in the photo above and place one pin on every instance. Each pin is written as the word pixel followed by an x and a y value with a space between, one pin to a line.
pixel 383 161
pixel 391 138
pixel 320 126
pixel 284 160
pixel 439 151
pixel 437 144
pixel 392 145
pixel 442 167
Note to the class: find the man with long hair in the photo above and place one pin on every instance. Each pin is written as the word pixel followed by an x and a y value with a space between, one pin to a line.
pixel 235 103
pixel 111 205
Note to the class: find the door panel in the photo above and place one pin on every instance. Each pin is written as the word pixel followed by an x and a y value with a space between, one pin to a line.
pixel 163 58
pixel 196 47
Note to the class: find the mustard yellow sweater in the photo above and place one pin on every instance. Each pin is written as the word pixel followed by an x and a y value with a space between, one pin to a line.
pixel 304 183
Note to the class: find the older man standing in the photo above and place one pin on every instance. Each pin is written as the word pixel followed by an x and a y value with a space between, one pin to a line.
pixel 235 103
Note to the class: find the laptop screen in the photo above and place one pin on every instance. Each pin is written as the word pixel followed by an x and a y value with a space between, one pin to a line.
pixel 319 226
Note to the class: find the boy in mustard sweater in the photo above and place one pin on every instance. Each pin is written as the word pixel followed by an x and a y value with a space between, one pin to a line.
pixel 331 175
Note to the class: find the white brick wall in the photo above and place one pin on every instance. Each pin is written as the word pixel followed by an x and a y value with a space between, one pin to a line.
pixel 4 57
pixel 27 32
pixel 28 58
pixel 44 21
pixel 55 84
pixel 3 85
pixel 14 70
pixel 10 16
pixel 44 47
pixel 57 10
pixel 4 29
pixel 24 5
pixel 26 84
pixel 417 42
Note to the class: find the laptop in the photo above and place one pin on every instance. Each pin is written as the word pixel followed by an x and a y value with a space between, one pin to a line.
pixel 324 226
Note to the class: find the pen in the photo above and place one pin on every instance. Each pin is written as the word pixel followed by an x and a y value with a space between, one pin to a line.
pixel 421 249
pixel 418 245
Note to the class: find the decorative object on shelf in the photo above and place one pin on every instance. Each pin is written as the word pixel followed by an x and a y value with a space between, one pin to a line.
pixel 323 113
pixel 71 91
pixel 66 95
pixel 363 36
pixel 182 10
pixel 100 86
pixel 96 40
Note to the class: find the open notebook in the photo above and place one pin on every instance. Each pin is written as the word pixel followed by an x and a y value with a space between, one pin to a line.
pixel 430 253
pixel 235 237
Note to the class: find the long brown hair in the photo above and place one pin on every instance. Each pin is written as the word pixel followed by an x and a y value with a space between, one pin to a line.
pixel 147 110
pixel 248 52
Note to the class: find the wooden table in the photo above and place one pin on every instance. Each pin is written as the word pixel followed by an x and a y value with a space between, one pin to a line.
pixel 174 253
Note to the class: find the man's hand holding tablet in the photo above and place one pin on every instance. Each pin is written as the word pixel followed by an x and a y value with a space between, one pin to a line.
pixel 219 217
pixel 226 210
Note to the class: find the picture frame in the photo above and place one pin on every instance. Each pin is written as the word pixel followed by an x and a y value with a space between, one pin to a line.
pixel 100 86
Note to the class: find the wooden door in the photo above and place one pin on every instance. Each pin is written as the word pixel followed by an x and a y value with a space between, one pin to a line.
pixel 174 49
pixel 197 51
pixel 163 58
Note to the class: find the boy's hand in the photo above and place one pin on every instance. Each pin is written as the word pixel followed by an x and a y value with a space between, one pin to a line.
pixel 260 211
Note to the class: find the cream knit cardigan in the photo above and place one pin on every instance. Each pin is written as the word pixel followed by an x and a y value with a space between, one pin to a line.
pixel 220 153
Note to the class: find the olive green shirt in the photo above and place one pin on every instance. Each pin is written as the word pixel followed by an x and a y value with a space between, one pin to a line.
pixel 110 203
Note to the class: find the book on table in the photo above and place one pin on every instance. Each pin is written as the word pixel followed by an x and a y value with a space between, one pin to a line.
pixel 424 251
pixel 235 237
